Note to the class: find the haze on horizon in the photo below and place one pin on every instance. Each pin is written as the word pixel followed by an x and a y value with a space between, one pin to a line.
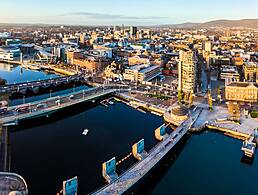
pixel 132 12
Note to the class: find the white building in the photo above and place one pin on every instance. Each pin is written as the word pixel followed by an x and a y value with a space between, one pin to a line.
pixel 142 72
pixel 9 53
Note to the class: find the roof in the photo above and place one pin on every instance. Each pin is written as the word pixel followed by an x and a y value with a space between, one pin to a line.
pixel 242 84
pixel 180 110
pixel 8 48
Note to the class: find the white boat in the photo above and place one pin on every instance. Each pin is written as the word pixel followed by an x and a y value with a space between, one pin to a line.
pixel 110 102
pixel 85 132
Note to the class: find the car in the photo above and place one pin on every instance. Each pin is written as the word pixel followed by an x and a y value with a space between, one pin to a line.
pixel 3 110
pixel 39 106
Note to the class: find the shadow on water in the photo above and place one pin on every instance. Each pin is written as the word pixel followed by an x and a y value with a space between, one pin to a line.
pixel 247 160
pixel 151 179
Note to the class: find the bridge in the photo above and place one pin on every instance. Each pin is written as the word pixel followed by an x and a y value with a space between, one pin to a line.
pixel 130 177
pixel 50 105
pixel 22 87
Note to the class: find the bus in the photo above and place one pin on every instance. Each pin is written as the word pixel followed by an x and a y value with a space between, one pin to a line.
pixel 23 108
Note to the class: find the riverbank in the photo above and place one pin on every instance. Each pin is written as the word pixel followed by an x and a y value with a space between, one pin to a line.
pixel 211 119
pixel 61 70
pixel 207 119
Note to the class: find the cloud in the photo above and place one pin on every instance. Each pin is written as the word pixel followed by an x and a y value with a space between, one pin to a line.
pixel 111 16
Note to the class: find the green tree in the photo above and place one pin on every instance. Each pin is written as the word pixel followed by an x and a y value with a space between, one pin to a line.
pixel 191 99
pixel 210 100
pixel 180 95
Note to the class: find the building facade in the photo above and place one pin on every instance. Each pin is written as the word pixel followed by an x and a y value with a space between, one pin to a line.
pixel 9 53
pixel 140 73
pixel 241 92
pixel 251 71
pixel 187 71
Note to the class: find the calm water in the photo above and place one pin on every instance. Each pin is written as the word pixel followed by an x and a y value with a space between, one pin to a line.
pixel 208 163
pixel 48 154
pixel 14 74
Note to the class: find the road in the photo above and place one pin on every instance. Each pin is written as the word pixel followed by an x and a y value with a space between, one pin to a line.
pixel 55 103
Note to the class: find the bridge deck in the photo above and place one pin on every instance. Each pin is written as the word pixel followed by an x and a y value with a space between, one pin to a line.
pixel 39 83
pixel 51 105
pixel 141 168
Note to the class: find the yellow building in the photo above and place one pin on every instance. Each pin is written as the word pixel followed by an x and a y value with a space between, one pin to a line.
pixel 91 64
pixel 140 73
pixel 137 60
pixel 251 71
pixel 242 92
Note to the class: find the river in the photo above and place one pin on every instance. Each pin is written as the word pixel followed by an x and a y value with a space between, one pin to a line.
pixel 46 152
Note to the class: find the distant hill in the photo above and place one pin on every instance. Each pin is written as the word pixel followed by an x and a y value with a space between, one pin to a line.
pixel 245 23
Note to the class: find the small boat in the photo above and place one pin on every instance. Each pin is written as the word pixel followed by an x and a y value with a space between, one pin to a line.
pixel 85 132
pixel 111 102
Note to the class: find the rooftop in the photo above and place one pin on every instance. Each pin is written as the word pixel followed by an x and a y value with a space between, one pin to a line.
pixel 242 84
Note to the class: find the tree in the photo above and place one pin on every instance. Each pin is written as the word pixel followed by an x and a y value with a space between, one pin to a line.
pixel 191 99
pixel 180 95
pixel 219 94
pixel 210 100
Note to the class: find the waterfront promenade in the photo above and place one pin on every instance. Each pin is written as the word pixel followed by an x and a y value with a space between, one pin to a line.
pixel 210 119
pixel 141 168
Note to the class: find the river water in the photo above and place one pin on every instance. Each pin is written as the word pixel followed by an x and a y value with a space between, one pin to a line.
pixel 16 74
pixel 46 152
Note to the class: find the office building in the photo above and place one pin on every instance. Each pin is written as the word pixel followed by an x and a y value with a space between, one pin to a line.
pixel 142 72
pixel 187 71
pixel 133 31
pixel 241 92
pixel 207 46
pixel 9 53
pixel 251 71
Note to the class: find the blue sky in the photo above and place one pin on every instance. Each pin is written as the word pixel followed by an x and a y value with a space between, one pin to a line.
pixel 128 12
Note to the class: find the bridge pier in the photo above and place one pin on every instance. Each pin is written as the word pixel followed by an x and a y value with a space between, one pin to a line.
pixel 4 148
pixel 160 132
pixel 109 170
pixel 138 150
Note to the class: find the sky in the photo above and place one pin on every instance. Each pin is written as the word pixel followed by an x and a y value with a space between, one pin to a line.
pixel 128 12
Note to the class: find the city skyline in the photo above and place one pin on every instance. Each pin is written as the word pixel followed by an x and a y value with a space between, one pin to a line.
pixel 115 12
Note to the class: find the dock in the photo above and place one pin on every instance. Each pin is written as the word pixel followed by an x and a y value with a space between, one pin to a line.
pixel 249 147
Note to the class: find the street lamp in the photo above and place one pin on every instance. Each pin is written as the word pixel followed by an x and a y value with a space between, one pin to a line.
pixel 23 99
